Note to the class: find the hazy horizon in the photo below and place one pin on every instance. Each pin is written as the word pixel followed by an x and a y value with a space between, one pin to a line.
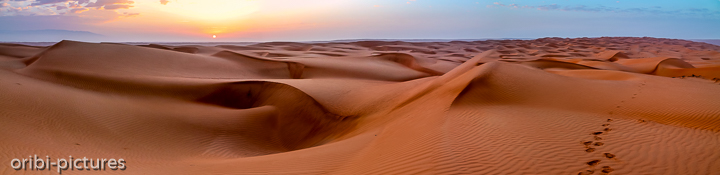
pixel 245 43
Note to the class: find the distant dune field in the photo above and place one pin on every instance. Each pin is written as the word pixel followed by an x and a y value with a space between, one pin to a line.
pixel 545 106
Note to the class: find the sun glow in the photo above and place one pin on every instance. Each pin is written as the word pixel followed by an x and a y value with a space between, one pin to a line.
pixel 214 36
pixel 211 10
pixel 231 18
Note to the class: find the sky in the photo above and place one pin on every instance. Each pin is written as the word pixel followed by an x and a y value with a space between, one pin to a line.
pixel 321 20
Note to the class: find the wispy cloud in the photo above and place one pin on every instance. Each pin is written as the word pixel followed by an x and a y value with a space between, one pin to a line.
pixel 600 8
pixel 59 7
pixel 126 14
pixel 79 10
pixel 111 4
pixel 43 2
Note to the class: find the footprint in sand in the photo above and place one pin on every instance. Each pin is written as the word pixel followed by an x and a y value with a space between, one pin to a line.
pixel 589 149
pixel 607 169
pixel 609 156
pixel 587 145
pixel 587 172
pixel 593 162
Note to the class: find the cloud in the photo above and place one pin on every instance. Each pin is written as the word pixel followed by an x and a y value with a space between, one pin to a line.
pixel 503 5
pixel 111 4
pixel 43 2
pixel 15 8
pixel 64 7
pixel 164 2
pixel 546 7
pixel 78 4
pixel 45 22
pixel 656 10
pixel 699 10
pixel 126 14
pixel 116 6
pixel 79 10
pixel 59 7
pixel 583 8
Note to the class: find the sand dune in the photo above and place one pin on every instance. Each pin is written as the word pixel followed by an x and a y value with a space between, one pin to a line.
pixel 545 106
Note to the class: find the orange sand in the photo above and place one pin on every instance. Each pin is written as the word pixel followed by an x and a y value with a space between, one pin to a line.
pixel 369 107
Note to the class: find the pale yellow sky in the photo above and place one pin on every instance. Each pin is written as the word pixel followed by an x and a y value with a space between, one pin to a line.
pixel 225 18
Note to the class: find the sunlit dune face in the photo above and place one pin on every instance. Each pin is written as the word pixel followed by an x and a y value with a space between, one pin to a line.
pixel 211 10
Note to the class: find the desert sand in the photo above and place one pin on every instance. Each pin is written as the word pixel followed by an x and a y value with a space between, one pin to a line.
pixel 606 105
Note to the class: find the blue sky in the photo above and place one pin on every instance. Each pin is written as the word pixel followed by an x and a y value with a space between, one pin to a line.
pixel 292 20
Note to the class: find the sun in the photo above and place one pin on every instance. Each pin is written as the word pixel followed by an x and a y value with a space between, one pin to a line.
pixel 214 36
